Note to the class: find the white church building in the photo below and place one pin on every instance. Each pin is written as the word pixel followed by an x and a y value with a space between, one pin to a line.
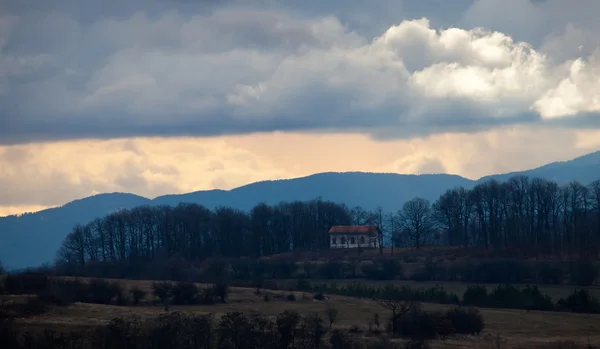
pixel 354 236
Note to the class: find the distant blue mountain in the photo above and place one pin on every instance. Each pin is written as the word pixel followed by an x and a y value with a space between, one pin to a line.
pixel 34 238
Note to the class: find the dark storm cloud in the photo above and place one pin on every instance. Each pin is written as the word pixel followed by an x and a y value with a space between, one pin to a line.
pixel 86 69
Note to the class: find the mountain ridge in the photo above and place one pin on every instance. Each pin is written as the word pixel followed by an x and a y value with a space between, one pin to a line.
pixel 33 238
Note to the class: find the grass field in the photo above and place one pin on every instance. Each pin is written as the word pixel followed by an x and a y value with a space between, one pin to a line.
pixel 554 291
pixel 504 328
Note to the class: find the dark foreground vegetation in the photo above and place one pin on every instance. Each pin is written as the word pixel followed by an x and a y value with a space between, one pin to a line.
pixel 236 330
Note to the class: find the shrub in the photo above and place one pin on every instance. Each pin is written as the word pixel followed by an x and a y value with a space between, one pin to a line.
pixel 417 324
pixel 290 297
pixel 8 334
pixel 506 296
pixel 580 301
pixel 535 300
pixel 383 270
pixel 31 307
pixel 319 296
pixel 312 331
pixel 340 340
pixel 185 293
pixel 415 344
pixel 354 329
pixel 431 271
pixel 137 294
pixel 303 285
pixel 64 292
pixel 584 274
pixel 162 290
pixel 221 291
pixel 550 274
pixel 332 314
pixel 103 292
pixel 466 320
pixel 475 295
pixel 25 283
pixel 287 327
pixel 331 270
pixel 283 270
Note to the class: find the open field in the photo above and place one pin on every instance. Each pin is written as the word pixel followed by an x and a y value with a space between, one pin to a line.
pixel 554 291
pixel 516 329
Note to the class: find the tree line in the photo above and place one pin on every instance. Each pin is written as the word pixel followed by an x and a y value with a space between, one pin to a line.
pixel 521 216
pixel 194 232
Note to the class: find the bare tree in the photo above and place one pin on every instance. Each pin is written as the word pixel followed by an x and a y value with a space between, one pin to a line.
pixel 417 220
pixel 398 308
pixel 360 216
pixel 378 219
pixel 332 314
pixel 393 227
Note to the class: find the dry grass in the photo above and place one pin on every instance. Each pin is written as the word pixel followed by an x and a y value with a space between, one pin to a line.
pixel 516 328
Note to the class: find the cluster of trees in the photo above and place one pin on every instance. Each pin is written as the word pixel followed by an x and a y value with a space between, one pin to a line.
pixel 520 216
pixel 195 232
pixel 531 216
pixel 63 292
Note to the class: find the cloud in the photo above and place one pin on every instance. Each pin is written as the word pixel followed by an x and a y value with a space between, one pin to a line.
pixel 173 68
pixel 39 175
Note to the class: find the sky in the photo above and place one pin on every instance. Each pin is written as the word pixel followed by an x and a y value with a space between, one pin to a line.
pixel 170 96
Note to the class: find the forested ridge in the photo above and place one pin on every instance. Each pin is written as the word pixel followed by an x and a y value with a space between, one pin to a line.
pixel 524 216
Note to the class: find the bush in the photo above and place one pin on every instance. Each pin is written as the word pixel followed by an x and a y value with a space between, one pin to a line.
pixel 185 293
pixel 354 329
pixel 331 270
pixel 550 274
pixel 137 294
pixel 431 271
pixel 162 290
pixel 535 300
pixel 418 324
pixel 303 285
pixel 416 344
pixel 508 271
pixel 290 297
pixel 466 320
pixel 383 270
pixel 221 291
pixel 319 296
pixel 580 302
pixel 103 292
pixel 340 340
pixel 64 292
pixel 25 283
pixel 584 274
pixel 31 307
pixel 283 270
pixel 475 295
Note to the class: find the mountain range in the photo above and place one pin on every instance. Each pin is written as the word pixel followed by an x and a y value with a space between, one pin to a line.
pixel 33 239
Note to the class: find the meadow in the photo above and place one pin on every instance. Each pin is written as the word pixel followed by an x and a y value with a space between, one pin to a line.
pixel 503 328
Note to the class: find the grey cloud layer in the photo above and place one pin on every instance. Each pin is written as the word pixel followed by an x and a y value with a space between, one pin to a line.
pixel 87 70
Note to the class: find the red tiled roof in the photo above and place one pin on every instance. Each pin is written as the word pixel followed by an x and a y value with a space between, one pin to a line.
pixel 353 229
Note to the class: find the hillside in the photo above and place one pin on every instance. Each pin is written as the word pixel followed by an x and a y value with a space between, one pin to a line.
pixel 33 239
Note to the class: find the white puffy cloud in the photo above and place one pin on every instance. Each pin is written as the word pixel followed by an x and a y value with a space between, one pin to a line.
pixel 257 67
